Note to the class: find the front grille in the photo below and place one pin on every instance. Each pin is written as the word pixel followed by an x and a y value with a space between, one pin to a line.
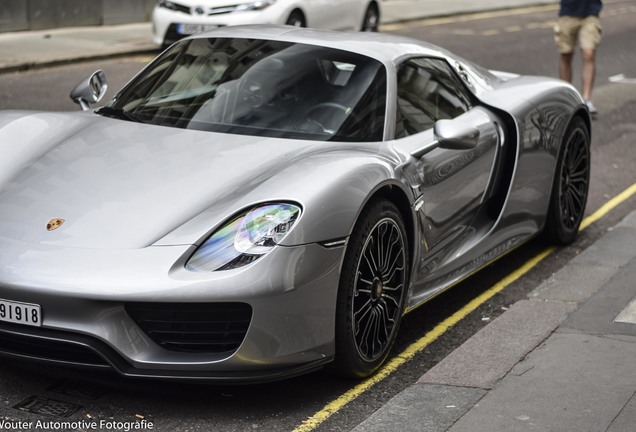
pixel 49 349
pixel 220 10
pixel 193 327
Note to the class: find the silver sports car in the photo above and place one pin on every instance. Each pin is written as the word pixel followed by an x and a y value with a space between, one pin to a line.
pixel 259 202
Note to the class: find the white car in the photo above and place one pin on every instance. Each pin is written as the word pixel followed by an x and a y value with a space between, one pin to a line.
pixel 173 20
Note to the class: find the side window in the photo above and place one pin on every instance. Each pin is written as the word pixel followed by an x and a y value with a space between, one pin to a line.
pixel 428 90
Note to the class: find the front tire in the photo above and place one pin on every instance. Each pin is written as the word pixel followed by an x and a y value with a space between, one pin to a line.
pixel 372 290
pixel 571 185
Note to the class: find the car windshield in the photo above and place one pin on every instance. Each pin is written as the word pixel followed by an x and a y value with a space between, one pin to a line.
pixel 259 87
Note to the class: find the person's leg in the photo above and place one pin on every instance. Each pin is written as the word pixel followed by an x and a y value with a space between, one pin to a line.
pixel 589 72
pixel 590 36
pixel 565 67
pixel 565 33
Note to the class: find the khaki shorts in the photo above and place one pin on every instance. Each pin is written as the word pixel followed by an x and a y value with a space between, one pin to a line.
pixel 568 28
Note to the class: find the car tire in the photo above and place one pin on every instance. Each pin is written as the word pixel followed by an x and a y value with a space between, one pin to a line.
pixel 296 19
pixel 372 291
pixel 371 20
pixel 570 186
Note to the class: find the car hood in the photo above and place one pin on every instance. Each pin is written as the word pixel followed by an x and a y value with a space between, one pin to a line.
pixel 123 185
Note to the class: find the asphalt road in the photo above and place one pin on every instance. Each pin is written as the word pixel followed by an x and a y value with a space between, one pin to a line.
pixel 514 42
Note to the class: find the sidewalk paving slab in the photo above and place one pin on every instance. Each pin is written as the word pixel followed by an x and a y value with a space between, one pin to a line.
pixel 574 382
pixel 493 351
pixel 423 408
pixel 598 315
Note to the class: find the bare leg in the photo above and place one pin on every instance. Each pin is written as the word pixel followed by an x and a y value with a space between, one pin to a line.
pixel 565 67
pixel 589 72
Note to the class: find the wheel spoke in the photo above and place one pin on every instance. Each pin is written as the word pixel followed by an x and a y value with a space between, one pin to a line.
pixel 395 240
pixel 386 322
pixel 382 230
pixel 377 341
pixel 569 205
pixel 577 160
pixel 367 339
pixel 361 279
pixel 372 264
pixel 390 289
pixel 576 197
pixel 571 212
pixel 364 310
pixel 393 300
pixel 398 262
pixel 579 177
pixel 387 278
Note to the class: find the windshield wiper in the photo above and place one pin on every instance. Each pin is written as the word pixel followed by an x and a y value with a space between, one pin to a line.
pixel 117 113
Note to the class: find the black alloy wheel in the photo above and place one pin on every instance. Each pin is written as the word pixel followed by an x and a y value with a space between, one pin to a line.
pixel 571 185
pixel 372 292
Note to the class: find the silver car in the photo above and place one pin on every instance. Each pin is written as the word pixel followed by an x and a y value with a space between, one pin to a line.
pixel 260 202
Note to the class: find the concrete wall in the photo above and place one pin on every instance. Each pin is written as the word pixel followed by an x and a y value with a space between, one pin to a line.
pixel 16 15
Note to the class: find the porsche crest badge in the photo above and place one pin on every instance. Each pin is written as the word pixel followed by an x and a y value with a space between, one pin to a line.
pixel 54 224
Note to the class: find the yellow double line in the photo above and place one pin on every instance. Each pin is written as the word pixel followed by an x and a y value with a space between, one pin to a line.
pixel 336 405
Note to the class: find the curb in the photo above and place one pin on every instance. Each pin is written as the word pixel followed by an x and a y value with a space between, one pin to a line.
pixel 28 66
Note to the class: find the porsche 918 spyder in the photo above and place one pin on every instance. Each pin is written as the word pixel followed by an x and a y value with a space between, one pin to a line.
pixel 261 201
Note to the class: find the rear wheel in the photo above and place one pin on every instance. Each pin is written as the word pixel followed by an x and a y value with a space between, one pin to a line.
pixel 571 184
pixel 372 291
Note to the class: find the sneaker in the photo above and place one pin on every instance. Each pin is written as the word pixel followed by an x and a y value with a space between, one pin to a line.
pixel 591 108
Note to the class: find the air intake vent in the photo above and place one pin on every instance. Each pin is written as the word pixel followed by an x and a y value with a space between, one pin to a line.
pixel 49 349
pixel 193 327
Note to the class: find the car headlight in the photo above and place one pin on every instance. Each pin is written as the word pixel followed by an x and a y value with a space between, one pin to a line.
pixel 257 5
pixel 245 238
pixel 168 5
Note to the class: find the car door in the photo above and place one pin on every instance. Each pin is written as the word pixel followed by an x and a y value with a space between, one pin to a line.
pixel 454 176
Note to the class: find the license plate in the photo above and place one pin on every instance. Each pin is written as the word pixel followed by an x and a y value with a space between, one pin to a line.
pixel 20 313
pixel 188 29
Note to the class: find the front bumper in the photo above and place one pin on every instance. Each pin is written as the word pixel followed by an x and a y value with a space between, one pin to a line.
pixel 84 294
pixel 71 349
pixel 165 21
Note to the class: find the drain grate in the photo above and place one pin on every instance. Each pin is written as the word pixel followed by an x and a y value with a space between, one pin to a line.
pixel 45 406
pixel 79 389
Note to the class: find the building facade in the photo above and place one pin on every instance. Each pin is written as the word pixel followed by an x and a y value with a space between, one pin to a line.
pixel 19 15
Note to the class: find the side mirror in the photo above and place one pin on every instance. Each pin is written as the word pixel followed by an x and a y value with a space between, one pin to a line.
pixel 450 135
pixel 456 135
pixel 90 90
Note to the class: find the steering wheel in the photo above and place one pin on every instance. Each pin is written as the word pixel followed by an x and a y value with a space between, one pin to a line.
pixel 342 113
